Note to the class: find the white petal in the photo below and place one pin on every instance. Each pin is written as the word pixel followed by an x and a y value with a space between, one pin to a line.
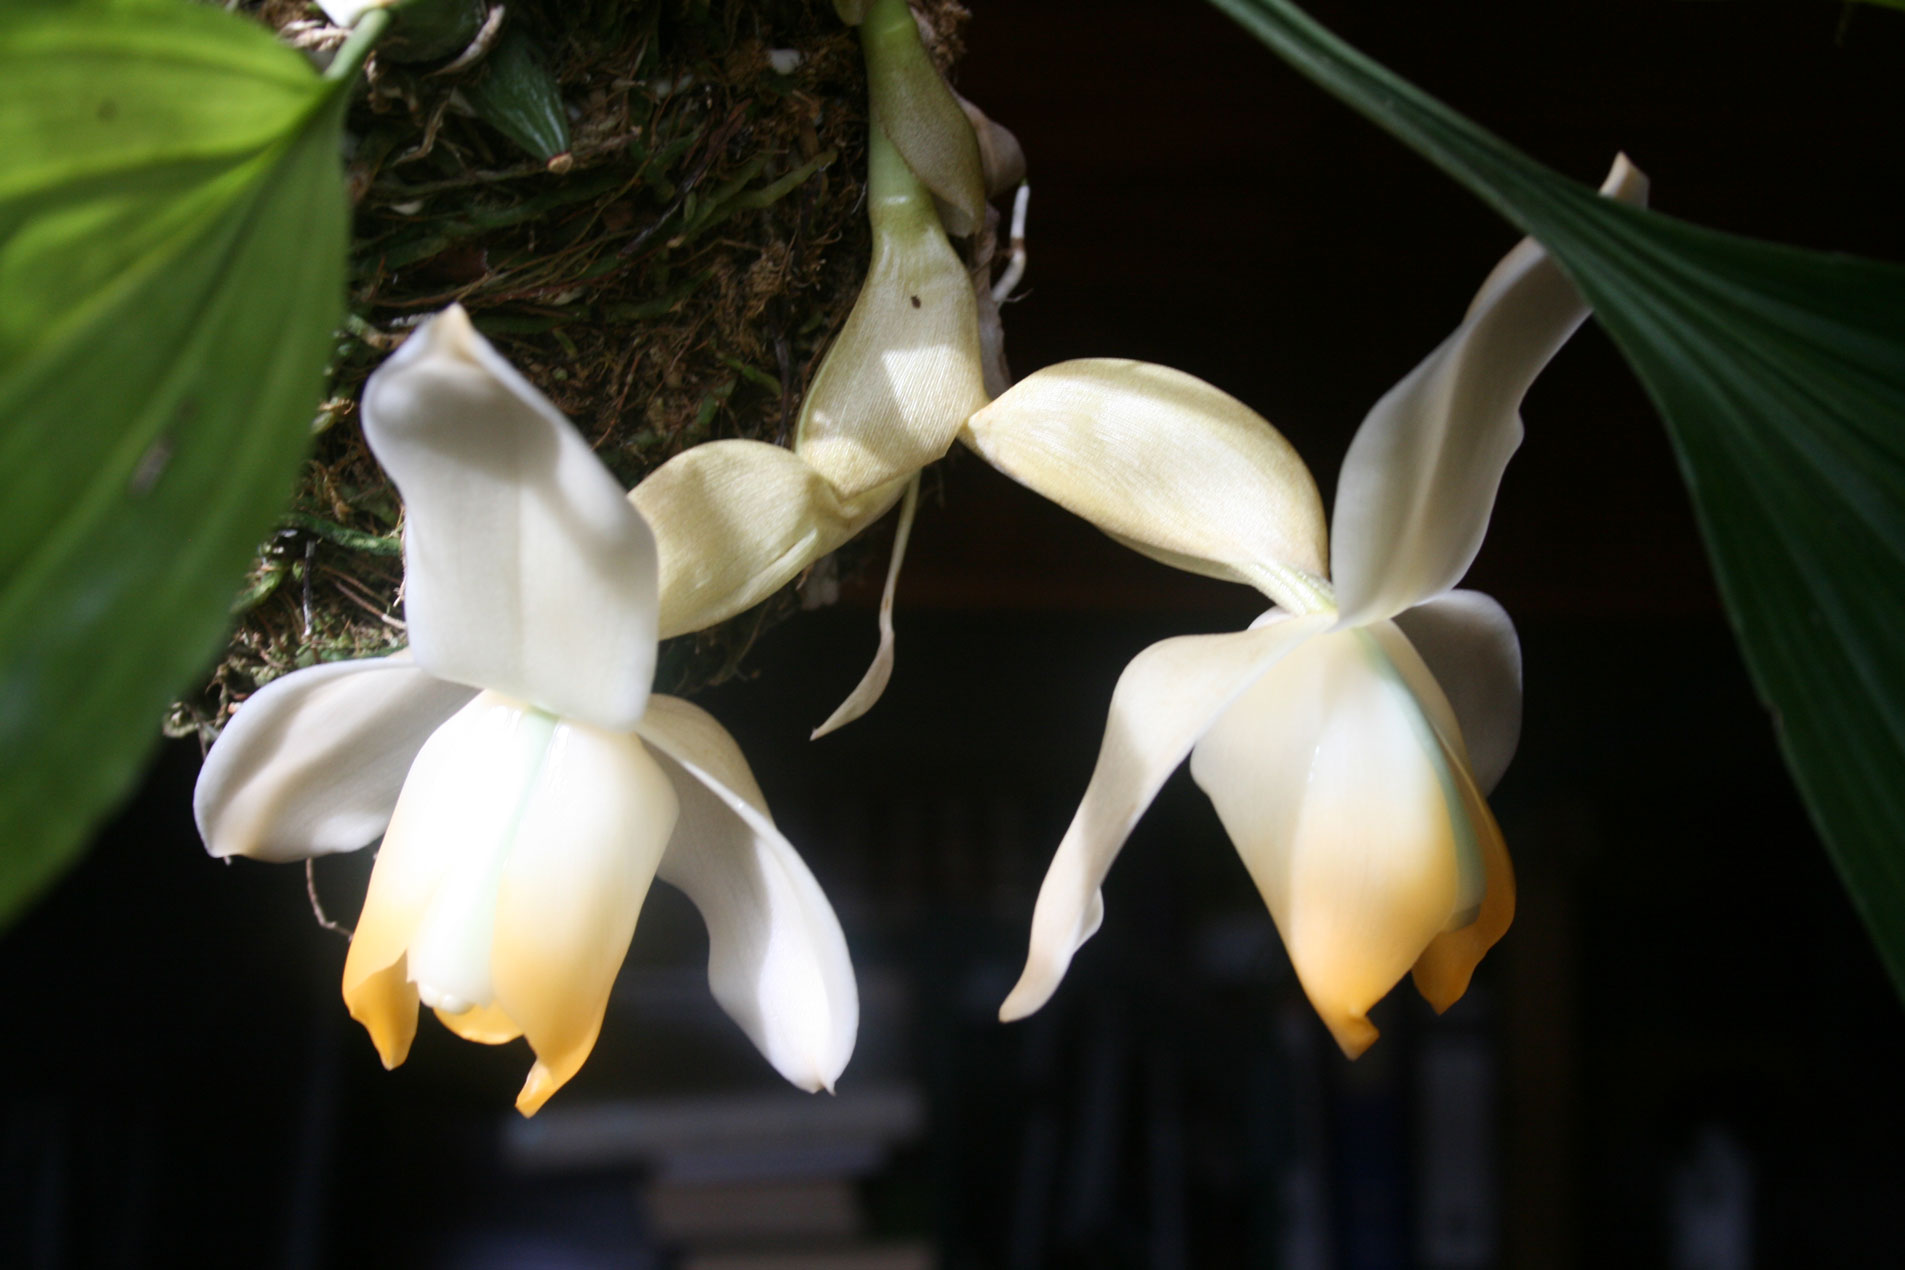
pixel 1336 792
pixel 873 683
pixel 735 521
pixel 905 372
pixel 527 571
pixel 777 960
pixel 590 834
pixel 1164 701
pixel 312 762
pixel 1166 464
pixel 1469 645
pixel 1418 484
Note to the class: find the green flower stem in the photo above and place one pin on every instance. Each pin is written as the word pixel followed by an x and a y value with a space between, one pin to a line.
pixel 895 198
pixel 355 51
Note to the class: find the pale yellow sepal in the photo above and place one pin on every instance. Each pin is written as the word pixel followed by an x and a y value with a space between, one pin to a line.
pixel 911 103
pixel 904 373
pixel 735 521
pixel 867 693
pixel 1168 465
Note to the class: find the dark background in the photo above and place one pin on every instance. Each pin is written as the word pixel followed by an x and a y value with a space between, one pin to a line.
pixel 1685 1036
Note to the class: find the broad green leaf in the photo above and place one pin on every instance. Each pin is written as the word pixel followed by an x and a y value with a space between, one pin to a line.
pixel 1780 374
pixel 172 235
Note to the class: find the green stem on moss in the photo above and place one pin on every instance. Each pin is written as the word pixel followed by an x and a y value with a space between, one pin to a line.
pixel 352 54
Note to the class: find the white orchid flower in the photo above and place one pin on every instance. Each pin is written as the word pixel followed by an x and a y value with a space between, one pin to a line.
pixel 1349 736
pixel 526 783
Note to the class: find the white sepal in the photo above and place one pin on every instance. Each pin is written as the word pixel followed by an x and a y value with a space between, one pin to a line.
pixel 1418 484
pixel 312 762
pixel 1165 700
pixel 777 960
pixel 1166 464
pixel 526 570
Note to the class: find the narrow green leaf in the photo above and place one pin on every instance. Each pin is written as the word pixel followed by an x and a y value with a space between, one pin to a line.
pixel 172 235
pixel 1780 374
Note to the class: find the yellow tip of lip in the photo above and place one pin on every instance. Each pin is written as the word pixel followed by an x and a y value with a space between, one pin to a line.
pixel 1354 1034
pixel 536 1090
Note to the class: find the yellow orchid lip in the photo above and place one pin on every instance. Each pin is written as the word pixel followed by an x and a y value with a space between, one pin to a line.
pixel 509 883
pixel 1347 804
